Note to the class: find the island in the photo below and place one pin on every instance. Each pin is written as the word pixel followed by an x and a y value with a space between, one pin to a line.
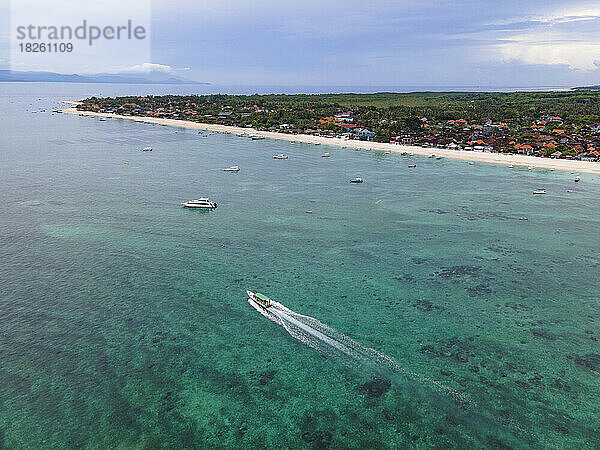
pixel 551 126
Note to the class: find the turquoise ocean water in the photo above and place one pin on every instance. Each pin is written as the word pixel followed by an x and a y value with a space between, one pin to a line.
pixel 124 321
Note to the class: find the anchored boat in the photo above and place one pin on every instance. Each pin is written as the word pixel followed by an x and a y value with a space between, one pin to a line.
pixel 232 169
pixel 356 180
pixel 260 299
pixel 200 203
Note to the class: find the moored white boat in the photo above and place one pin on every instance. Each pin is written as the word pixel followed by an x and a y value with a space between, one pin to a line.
pixel 204 203
pixel 325 155
pixel 147 149
pixel 539 191
pixel 280 156
pixel 232 169
pixel 356 180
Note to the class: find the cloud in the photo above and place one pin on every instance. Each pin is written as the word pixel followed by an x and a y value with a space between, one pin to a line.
pixel 533 50
pixel 147 67
pixel 569 36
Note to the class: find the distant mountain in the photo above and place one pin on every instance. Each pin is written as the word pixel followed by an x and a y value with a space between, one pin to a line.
pixel 587 88
pixel 124 78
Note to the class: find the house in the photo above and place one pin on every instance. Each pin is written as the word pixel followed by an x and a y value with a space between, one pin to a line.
pixel 524 149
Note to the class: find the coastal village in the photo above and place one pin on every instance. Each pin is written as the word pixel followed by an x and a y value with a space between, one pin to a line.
pixel 543 134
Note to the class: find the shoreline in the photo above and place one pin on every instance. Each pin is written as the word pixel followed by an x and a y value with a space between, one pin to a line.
pixel 486 157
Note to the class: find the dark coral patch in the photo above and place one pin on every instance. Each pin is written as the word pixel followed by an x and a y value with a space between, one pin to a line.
pixel 266 377
pixel 458 271
pixel 590 361
pixel 376 387
pixel 425 306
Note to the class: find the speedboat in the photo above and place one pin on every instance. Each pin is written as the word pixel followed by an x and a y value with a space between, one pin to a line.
pixel 432 156
pixel 412 165
pixel 326 155
pixel 200 203
pixel 280 156
pixel 577 179
pixel 530 168
pixel 257 138
pixel 259 299
pixel 511 166
pixel 232 169
pixel 356 180
pixel 439 157
pixel 317 143
pixel 147 149
pixel 539 192
pixel 471 163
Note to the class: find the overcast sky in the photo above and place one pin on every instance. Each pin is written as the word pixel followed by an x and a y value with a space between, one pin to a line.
pixel 351 42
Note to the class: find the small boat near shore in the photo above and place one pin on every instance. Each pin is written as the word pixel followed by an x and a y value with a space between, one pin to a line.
pixel 259 299
pixel 356 180
pixel 325 155
pixel 203 203
pixel 258 138
pixel 577 179
pixel 280 156
pixel 232 169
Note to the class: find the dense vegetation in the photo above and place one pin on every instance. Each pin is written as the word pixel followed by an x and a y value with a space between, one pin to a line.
pixel 423 115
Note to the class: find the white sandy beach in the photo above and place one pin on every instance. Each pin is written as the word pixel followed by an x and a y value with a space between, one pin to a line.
pixel 494 158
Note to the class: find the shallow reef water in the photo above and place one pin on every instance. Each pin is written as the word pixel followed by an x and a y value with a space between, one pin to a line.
pixel 124 320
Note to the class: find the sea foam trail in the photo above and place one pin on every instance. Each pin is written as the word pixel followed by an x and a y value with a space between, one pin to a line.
pixel 329 341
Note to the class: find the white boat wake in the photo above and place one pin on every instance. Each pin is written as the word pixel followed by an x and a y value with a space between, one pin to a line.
pixel 331 342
